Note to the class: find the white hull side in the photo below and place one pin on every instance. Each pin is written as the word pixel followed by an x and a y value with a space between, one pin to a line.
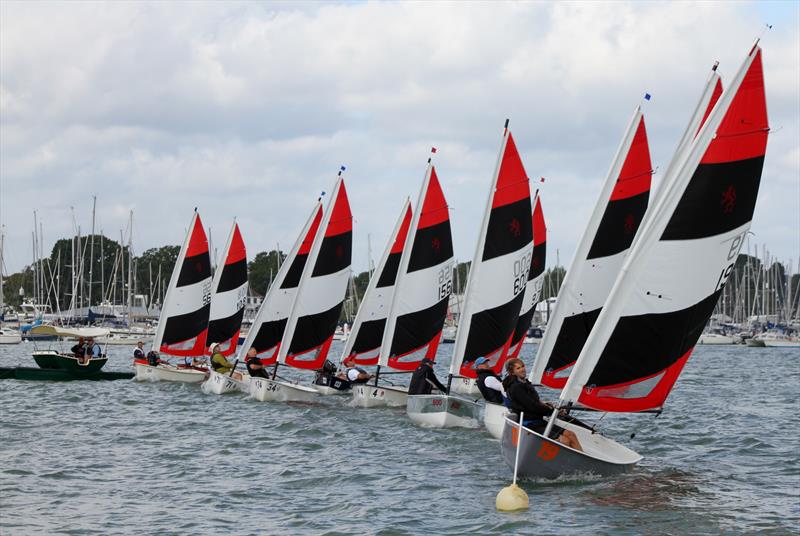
pixel 781 343
pixel 443 411
pixel 10 339
pixel 268 390
pixel 714 338
pixel 324 390
pixel 494 419
pixel 465 386
pixel 168 373
pixel 220 384
pixel 370 396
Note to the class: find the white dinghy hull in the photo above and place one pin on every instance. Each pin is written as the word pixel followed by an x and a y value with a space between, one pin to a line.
pixel 540 457
pixel 268 390
pixel 168 373
pixel 465 386
pixel 442 411
pixel 494 418
pixel 371 396
pixel 220 384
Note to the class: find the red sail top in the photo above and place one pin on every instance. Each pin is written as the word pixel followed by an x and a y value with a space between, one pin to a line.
pixel 237 250
pixel 512 181
pixel 434 208
pixel 539 228
pixel 743 131
pixel 198 243
pixel 341 218
pixel 305 247
pixel 634 177
pixel 400 240
pixel 714 98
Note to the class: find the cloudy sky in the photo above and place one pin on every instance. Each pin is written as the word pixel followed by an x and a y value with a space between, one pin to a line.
pixel 247 110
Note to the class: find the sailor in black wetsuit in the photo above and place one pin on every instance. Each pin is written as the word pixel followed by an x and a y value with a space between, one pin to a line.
pixel 254 365
pixel 488 382
pixel 523 397
pixel 423 379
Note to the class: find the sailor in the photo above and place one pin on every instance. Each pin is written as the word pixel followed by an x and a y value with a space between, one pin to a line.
pixel 488 382
pixel 92 348
pixel 353 373
pixel 524 398
pixel 79 350
pixel 138 353
pixel 254 365
pixel 424 379
pixel 218 361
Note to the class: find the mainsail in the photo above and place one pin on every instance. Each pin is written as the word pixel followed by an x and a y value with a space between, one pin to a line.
pixel 228 296
pixel 676 270
pixel 599 256
pixel 533 289
pixel 424 282
pixel 364 342
pixel 498 275
pixel 267 330
pixel 183 323
pixel 322 288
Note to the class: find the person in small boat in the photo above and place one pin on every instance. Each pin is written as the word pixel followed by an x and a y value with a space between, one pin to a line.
pixel 152 358
pixel 93 350
pixel 138 353
pixel 218 361
pixel 524 398
pixel 353 373
pixel 79 350
pixel 254 365
pixel 424 379
pixel 488 382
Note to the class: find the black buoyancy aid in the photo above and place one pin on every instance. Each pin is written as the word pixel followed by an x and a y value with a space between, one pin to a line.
pixel 490 395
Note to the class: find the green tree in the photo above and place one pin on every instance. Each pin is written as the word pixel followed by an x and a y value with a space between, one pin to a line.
pixel 153 271
pixel 263 269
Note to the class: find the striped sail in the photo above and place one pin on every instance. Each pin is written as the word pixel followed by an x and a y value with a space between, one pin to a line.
pixel 364 342
pixel 533 289
pixel 498 275
pixel 676 270
pixel 424 282
pixel 229 294
pixel 267 330
pixel 322 288
pixel 183 323
pixel 599 256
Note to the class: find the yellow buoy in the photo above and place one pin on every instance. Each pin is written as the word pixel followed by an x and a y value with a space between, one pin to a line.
pixel 511 498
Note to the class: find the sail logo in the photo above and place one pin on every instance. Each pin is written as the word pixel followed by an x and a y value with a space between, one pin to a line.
pixel 629 224
pixel 728 201
pixel 548 451
pixel 514 227
pixel 436 245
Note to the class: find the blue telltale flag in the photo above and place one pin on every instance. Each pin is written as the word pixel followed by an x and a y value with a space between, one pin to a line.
pixel 647 96
pixel 342 168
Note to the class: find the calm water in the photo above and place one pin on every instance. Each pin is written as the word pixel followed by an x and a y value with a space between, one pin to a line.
pixel 159 458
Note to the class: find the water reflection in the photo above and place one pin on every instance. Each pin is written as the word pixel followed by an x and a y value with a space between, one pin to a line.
pixel 648 492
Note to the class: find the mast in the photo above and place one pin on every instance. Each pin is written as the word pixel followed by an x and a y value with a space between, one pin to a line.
pixel 130 269
pixel 91 250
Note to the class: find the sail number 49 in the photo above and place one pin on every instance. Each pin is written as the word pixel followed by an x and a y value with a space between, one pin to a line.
pixel 733 253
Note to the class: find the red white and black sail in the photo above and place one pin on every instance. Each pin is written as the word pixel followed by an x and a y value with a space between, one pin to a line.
pixel 533 290
pixel 598 258
pixel 498 274
pixel 424 282
pixel 674 274
pixel 322 288
pixel 183 323
pixel 364 342
pixel 267 330
pixel 229 295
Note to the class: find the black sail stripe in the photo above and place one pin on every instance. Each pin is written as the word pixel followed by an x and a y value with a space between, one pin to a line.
pixel 719 198
pixel 223 329
pixel 312 330
pixel 644 345
pixel 432 246
pixel 194 270
pixel 491 328
pixel 538 260
pixel 389 274
pixel 369 336
pixel 523 324
pixel 334 254
pixel 269 335
pixel 414 330
pixel 186 326
pixel 510 229
pixel 571 337
pixel 618 226
pixel 295 271
pixel 233 276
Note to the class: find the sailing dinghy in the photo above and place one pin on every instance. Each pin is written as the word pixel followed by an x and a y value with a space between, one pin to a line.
pixel 494 414
pixel 667 287
pixel 496 286
pixel 183 323
pixel 317 304
pixel 228 296
pixel 422 289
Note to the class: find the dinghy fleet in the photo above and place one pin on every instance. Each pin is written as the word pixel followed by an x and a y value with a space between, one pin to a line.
pixel 642 284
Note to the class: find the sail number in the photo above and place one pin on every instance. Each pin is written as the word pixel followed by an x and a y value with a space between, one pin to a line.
pixel 445 286
pixel 521 268
pixel 733 253
pixel 207 293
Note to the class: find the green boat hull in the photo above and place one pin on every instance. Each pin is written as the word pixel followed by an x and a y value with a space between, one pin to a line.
pixel 54 361
pixel 59 375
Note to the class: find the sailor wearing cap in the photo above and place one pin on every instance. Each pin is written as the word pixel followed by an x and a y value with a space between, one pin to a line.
pixel 424 379
pixel 218 361
pixel 488 382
